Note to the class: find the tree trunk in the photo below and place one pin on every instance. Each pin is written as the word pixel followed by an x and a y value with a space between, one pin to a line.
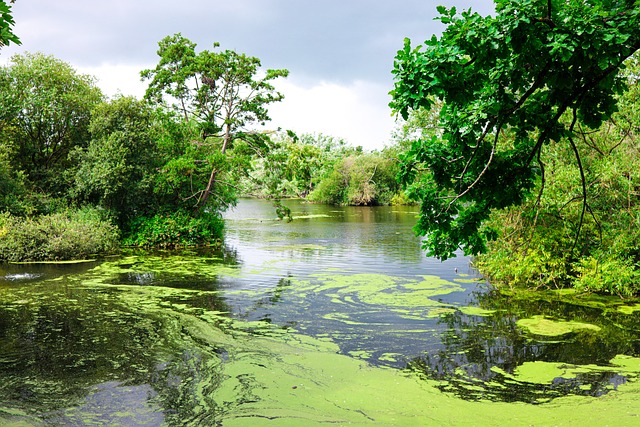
pixel 214 172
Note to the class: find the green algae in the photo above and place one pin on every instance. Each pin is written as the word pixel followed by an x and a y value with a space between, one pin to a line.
pixel 540 325
pixel 74 261
pixel 629 309
pixel 311 216
pixel 541 372
pixel 435 312
pixel 475 311
pixel 391 357
pixel 379 289
pixel 570 296
pixel 300 386
pixel 217 370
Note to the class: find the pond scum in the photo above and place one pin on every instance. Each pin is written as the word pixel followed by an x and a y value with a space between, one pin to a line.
pixel 112 347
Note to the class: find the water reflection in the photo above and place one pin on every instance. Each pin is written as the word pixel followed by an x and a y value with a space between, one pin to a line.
pixel 481 354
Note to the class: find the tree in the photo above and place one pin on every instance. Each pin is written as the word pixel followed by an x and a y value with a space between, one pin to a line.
pixel 45 108
pixel 117 170
pixel 6 23
pixel 510 84
pixel 536 245
pixel 223 93
pixel 12 187
pixel 358 179
pixel 294 165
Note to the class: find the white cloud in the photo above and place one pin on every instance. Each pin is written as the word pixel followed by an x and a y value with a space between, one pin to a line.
pixel 118 79
pixel 357 113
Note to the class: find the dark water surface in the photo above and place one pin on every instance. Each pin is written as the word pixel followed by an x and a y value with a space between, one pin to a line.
pixel 198 338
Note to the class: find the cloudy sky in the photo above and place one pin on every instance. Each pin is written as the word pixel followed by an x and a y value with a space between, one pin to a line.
pixel 339 52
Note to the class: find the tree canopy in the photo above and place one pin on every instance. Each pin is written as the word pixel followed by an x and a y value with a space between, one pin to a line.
pixel 45 109
pixel 509 84
pixel 222 94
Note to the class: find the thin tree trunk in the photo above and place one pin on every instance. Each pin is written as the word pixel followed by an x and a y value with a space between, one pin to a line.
pixel 214 172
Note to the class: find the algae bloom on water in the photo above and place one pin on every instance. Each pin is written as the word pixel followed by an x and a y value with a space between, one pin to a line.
pixel 540 325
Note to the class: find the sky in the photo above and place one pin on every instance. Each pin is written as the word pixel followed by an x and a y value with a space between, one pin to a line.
pixel 339 52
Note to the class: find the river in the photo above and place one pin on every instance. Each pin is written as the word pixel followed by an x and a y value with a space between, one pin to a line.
pixel 334 318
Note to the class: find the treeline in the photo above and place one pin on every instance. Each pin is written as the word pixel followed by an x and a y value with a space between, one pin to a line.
pixel 81 174
pixel 324 169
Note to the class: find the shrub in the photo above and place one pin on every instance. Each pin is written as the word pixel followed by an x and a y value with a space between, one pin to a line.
pixel 73 234
pixel 613 276
pixel 175 229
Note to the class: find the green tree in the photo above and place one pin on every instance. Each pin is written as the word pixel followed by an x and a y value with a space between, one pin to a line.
pixel 223 93
pixel 12 187
pixel 45 109
pixel 510 84
pixel 293 165
pixel 358 179
pixel 7 35
pixel 117 170
pixel 537 245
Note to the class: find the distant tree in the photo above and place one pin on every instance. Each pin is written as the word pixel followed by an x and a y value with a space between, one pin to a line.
pixel 45 109
pixel 6 23
pixel 510 83
pixel 223 93
pixel 358 179
pixel 293 165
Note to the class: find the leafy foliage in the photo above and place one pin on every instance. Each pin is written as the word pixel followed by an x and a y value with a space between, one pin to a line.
pixel 221 93
pixel 506 83
pixel 117 170
pixel 358 179
pixel 294 165
pixel 548 241
pixel 45 108
pixel 7 35
pixel 12 186
pixel 65 235
pixel 175 229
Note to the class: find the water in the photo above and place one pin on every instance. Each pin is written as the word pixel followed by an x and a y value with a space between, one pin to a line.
pixel 217 337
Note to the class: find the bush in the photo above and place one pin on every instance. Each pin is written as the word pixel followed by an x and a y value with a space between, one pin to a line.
pixel 73 234
pixel 174 230
pixel 612 276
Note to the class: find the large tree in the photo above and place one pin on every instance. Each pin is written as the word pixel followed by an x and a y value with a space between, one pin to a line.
pixel 117 169
pixel 45 109
pixel 510 83
pixel 223 94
